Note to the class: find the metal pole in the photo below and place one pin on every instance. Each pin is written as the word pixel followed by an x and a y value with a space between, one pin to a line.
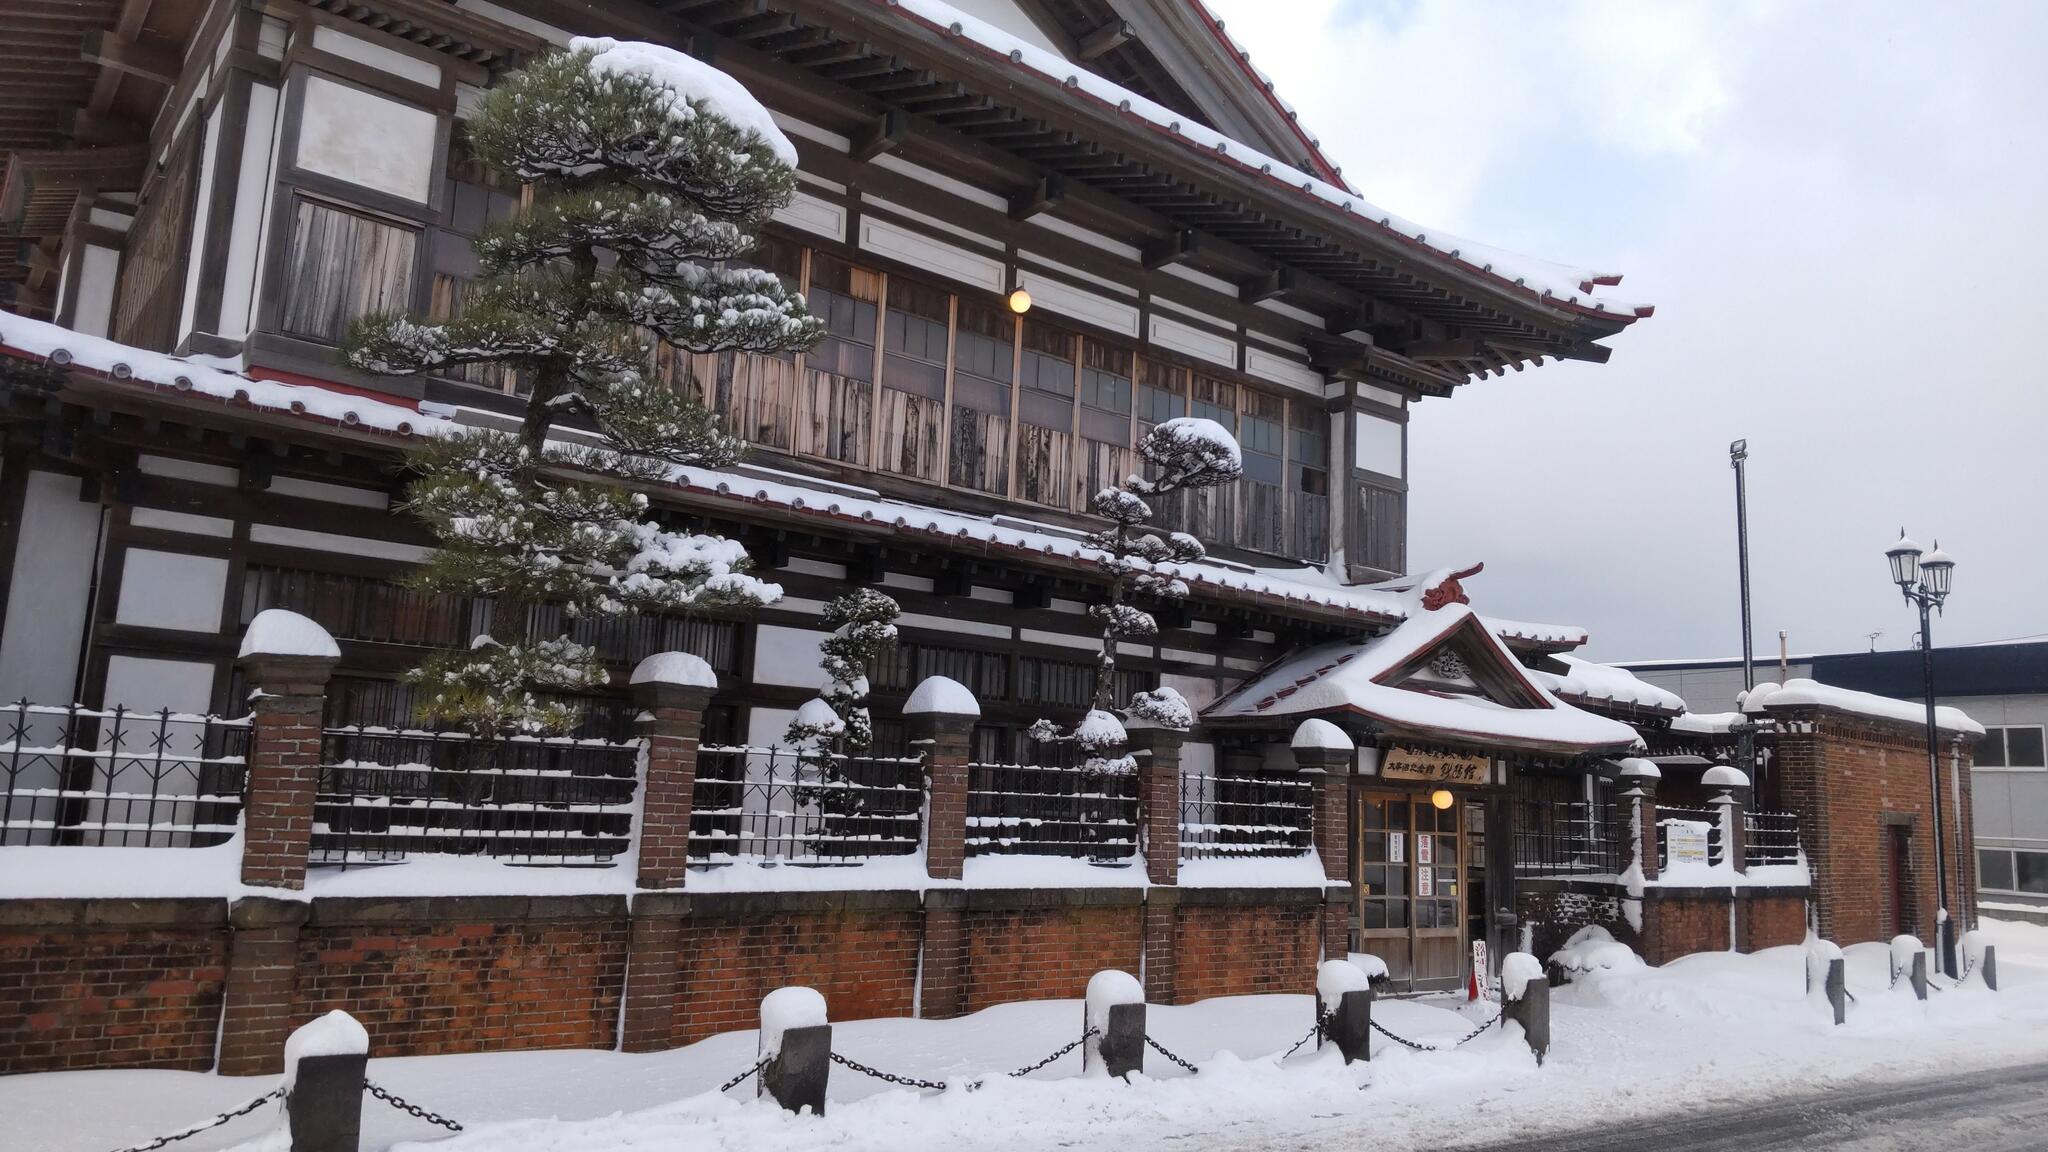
pixel 1737 453
pixel 1945 939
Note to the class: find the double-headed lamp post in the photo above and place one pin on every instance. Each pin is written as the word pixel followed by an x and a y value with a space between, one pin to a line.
pixel 1925 579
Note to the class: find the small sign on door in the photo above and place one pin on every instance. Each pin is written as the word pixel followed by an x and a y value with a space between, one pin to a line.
pixel 1425 848
pixel 1425 881
pixel 1397 848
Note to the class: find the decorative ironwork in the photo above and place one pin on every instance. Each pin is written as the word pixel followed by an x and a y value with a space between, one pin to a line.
pixel 1249 812
pixel 774 804
pixel 1770 838
pixel 1051 810
pixel 120 778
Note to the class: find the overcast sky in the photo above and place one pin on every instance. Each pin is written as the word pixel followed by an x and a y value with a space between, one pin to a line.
pixel 1838 210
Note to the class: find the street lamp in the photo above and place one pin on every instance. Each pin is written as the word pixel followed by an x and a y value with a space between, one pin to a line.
pixel 1924 579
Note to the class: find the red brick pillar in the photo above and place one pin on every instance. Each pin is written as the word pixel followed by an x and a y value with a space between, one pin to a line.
pixel 671 690
pixel 1730 802
pixel 1639 788
pixel 256 1004
pixel 1157 751
pixel 941 713
pixel 286 660
pixel 653 972
pixel 1325 756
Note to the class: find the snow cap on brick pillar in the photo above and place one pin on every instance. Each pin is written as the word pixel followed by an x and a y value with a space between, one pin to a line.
pixel 941 713
pixel 671 690
pixel 1325 753
pixel 1638 780
pixel 1730 788
pixel 286 660
pixel 1157 728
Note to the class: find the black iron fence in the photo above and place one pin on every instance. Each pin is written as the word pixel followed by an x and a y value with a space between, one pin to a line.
pixel 85 776
pixel 775 804
pixel 1051 809
pixel 384 793
pixel 1770 838
pixel 1245 813
pixel 1570 838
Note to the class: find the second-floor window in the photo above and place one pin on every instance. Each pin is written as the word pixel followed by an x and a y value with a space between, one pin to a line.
pixel 1261 502
pixel 836 407
pixel 984 362
pixel 912 415
pixel 1045 410
pixel 343 264
pixel 2019 746
pixel 1308 447
pixel 1105 418
pixel 1209 510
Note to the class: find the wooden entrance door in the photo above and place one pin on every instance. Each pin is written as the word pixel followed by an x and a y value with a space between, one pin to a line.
pixel 1900 862
pixel 1411 888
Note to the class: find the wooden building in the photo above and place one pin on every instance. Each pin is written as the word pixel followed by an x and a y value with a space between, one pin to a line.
pixel 199 196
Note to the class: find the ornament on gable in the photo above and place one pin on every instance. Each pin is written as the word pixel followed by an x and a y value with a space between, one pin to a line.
pixel 1447 665
pixel 1448 590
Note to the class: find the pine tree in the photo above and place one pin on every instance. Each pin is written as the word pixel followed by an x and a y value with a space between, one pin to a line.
pixel 863 624
pixel 1186 453
pixel 648 172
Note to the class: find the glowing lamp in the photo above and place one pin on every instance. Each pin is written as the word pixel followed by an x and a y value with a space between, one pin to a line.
pixel 1019 300
pixel 1441 799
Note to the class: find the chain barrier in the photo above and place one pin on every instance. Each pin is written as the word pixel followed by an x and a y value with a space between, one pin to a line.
pixel 1403 1040
pixel 733 1083
pixel 408 1107
pixel 1062 1051
pixel 216 1122
pixel 1156 1046
pixel 1315 1030
pixel 906 1081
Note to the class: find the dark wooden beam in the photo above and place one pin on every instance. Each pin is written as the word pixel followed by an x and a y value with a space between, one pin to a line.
pixel 91 130
pixel 1104 40
pixel 1044 197
pixel 1278 282
pixel 1173 249
pixel 144 56
pixel 885 135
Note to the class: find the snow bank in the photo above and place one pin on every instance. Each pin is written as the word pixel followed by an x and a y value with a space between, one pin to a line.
pixel 335 1034
pixel 1333 979
pixel 279 632
pixel 1797 692
pixel 1317 733
pixel 680 668
pixel 1517 969
pixel 691 80
pixel 785 1008
pixel 1373 966
pixel 1594 949
pixel 943 695
pixel 1302 871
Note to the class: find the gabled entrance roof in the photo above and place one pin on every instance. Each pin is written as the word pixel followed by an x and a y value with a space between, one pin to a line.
pixel 1440 676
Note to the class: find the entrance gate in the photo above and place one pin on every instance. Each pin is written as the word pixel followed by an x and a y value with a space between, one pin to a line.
pixel 1411 892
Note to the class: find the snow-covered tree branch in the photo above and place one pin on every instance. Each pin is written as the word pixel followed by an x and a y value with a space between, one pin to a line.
pixel 648 170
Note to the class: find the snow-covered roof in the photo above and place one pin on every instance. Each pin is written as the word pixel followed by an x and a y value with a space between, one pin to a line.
pixel 1796 692
pixel 224 382
pixel 1604 683
pixel 1358 679
pixel 1560 285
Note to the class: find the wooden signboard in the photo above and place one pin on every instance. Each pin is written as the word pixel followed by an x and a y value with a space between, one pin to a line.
pixel 1432 767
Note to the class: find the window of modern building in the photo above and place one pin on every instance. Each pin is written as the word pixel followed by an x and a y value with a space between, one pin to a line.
pixel 984 359
pixel 2017 746
pixel 1994 869
pixel 912 411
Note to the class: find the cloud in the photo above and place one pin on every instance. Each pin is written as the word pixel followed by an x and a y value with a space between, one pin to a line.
pixel 1836 208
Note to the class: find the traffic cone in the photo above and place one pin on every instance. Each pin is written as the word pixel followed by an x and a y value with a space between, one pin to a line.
pixel 1472 986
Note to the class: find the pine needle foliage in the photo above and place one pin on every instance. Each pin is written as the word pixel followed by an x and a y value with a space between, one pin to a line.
pixel 640 194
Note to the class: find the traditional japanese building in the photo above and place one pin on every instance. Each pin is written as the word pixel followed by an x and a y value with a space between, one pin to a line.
pixel 1034 229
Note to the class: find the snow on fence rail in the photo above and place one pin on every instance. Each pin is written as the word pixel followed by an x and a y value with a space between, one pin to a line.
pixel 71 775
pixel 384 793
pixel 1770 838
pixel 1253 812
pixel 1568 839
pixel 1051 810
pixel 824 808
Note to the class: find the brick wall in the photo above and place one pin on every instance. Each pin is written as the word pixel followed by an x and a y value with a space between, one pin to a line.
pixel 1234 942
pixel 1851 779
pixel 110 983
pixel 1678 923
pixel 1771 919
pixel 1035 945
pixel 1553 910
pixel 857 948
pixel 467 974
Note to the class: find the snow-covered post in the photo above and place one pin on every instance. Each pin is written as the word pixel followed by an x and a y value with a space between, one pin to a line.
pixel 1827 977
pixel 323 1083
pixel 796 1040
pixel 671 690
pixel 1639 789
pixel 1113 1025
pixel 941 713
pixel 1731 800
pixel 1325 754
pixel 286 660
pixel 1525 999
pixel 1980 958
pixel 1344 1009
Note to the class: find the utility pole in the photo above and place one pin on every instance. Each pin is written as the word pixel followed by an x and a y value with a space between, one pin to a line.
pixel 1737 453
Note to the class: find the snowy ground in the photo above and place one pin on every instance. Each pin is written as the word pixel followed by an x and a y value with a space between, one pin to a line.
pixel 1707 1030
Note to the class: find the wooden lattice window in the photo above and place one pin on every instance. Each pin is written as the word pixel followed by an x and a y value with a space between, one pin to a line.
pixel 151 293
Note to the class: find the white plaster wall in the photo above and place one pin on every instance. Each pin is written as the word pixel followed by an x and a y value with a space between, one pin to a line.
pixel 47 595
pixel 252 191
pixel 95 311
pixel 209 164
pixel 1378 445
pixel 365 139
pixel 172 590
pixel 1006 15
pixel 787 656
